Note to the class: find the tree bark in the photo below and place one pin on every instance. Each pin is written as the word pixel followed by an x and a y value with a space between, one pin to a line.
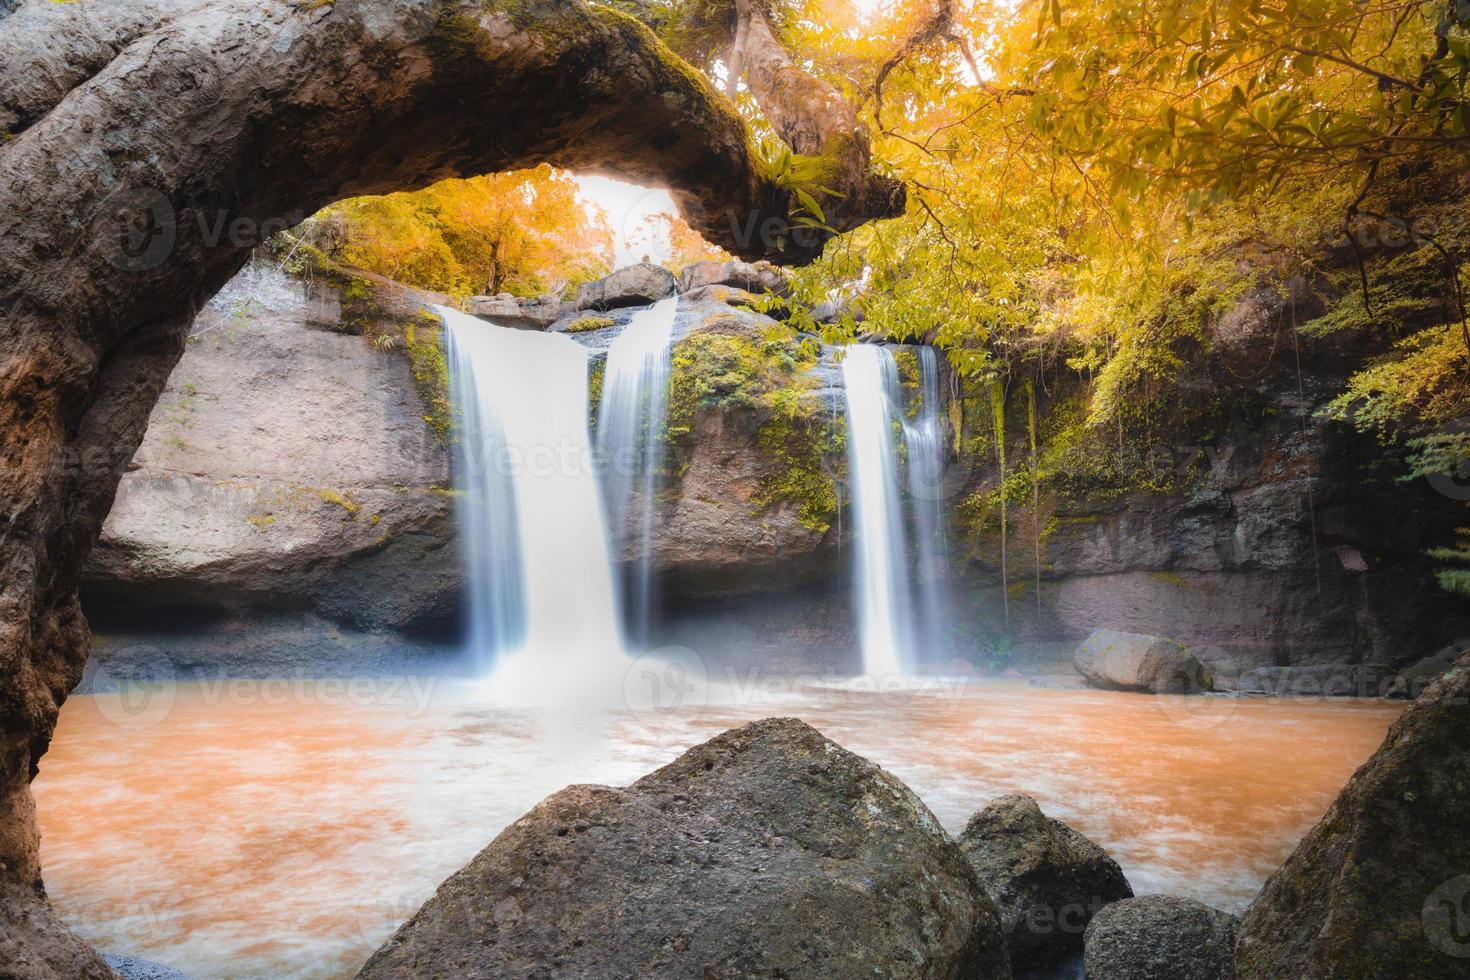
pixel 149 145
pixel 812 117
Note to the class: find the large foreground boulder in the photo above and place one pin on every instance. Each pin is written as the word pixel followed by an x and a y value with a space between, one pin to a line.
pixel 35 943
pixel 1047 880
pixel 1160 937
pixel 1381 886
pixel 1117 661
pixel 766 851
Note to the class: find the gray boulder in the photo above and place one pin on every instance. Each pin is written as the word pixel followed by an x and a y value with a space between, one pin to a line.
pixel 1381 886
pixel 1137 662
pixel 1047 880
pixel 766 851
pixel 1160 937
pixel 754 277
pixel 289 464
pixel 522 314
pixel 729 295
pixel 635 285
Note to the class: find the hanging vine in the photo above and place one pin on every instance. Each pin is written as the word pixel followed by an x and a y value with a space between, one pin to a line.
pixel 998 415
pixel 1035 488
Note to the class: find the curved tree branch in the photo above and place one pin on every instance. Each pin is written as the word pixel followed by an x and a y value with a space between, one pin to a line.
pixel 151 144
pixel 812 117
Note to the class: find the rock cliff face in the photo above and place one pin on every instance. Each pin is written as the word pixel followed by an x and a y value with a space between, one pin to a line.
pixel 287 466
pixel 1271 536
pixel 294 467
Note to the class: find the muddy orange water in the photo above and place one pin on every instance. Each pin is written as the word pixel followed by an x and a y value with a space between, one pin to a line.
pixel 285 831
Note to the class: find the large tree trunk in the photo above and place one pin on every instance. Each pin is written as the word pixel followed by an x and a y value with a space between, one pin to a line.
pixel 150 144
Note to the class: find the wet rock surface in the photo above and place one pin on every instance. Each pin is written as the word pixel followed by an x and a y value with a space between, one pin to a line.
pixel 1048 880
pixel 1320 680
pixel 1118 661
pixel 1381 886
pixel 766 851
pixel 1161 937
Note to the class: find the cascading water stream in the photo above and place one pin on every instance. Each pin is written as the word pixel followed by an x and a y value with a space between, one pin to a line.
pixel 924 441
pixel 541 579
pixel 630 438
pixel 881 593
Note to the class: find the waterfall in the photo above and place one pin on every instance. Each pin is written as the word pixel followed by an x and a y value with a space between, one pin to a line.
pixel 541 580
pixel 881 591
pixel 924 441
pixel 630 439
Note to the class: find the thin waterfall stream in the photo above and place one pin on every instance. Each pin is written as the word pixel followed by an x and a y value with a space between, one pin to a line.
pixel 880 593
pixel 630 442
pixel 924 443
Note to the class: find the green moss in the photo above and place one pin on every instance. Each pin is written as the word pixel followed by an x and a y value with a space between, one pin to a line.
pixel 341 498
pixel 585 323
pixel 725 368
pixel 724 371
pixel 808 445
pixel 423 342
pixel 1407 289
pixel 596 375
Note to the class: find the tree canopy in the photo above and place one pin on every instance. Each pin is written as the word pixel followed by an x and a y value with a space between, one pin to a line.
pixel 525 232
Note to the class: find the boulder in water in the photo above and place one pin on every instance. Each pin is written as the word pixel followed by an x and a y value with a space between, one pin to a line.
pixel 635 285
pixel 1118 661
pixel 1381 886
pixel 1047 880
pixel 1414 679
pixel 766 851
pixel 1160 937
